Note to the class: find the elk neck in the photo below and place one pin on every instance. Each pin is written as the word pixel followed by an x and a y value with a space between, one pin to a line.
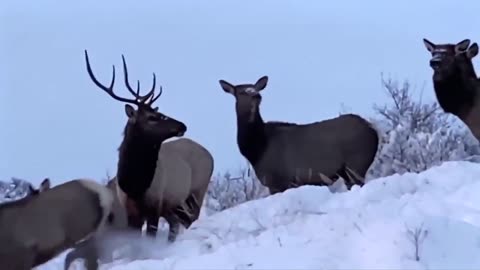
pixel 251 137
pixel 137 163
pixel 454 93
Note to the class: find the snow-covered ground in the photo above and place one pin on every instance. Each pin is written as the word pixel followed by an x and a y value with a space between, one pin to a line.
pixel 429 220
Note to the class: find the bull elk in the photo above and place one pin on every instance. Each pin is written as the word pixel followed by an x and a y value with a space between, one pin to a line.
pixel 286 155
pixel 155 178
pixel 43 224
pixel 455 81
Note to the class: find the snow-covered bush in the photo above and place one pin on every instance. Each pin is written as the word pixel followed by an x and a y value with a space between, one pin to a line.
pixel 417 135
pixel 227 190
pixel 14 189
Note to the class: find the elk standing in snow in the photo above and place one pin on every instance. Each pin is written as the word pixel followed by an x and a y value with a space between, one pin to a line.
pixel 99 247
pixel 455 81
pixel 184 169
pixel 37 228
pixel 285 155
pixel 156 179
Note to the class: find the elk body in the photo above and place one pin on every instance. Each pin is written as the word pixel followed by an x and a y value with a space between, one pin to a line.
pixel 184 169
pixel 99 247
pixel 455 81
pixel 286 155
pixel 37 228
pixel 154 182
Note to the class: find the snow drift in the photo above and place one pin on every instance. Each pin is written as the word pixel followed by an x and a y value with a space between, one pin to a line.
pixel 429 220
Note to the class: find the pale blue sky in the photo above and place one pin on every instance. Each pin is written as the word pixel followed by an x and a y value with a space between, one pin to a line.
pixel 318 55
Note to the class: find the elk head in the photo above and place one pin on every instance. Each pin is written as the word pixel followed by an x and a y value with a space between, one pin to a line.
pixel 151 125
pixel 247 96
pixel 45 185
pixel 447 58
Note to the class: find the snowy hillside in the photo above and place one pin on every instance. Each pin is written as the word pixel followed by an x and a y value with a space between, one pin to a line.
pixel 429 220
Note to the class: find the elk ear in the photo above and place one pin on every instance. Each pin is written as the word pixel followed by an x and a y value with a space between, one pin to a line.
pixel 227 87
pixel 45 185
pixel 429 45
pixel 472 51
pixel 31 189
pixel 261 83
pixel 462 46
pixel 129 110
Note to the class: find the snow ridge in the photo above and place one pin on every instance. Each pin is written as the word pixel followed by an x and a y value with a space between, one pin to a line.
pixel 429 220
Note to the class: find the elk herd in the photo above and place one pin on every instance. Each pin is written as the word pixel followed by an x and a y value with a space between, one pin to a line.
pixel 170 179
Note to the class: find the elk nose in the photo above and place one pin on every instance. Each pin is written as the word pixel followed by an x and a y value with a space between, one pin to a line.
pixel 435 62
pixel 181 130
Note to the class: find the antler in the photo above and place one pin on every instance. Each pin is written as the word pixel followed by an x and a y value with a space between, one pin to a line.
pixel 138 100
pixel 153 97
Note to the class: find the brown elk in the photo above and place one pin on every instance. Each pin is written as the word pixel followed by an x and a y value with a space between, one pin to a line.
pixel 41 225
pixel 455 81
pixel 156 179
pixel 144 133
pixel 99 247
pixel 286 155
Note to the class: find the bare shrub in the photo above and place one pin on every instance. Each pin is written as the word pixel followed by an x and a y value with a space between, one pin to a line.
pixel 416 135
pixel 227 189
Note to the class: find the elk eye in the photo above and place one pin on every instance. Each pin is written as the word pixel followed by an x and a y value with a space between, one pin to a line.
pixel 152 118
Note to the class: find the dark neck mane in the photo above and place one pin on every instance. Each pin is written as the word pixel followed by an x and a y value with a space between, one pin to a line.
pixel 137 163
pixel 455 93
pixel 251 137
pixel 280 124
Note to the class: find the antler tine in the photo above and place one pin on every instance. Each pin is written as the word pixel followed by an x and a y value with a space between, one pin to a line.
pixel 153 97
pixel 151 93
pixel 127 83
pixel 108 90
pixel 138 87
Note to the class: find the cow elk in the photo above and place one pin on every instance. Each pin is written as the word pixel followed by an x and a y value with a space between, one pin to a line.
pixel 100 247
pixel 286 155
pixel 455 81
pixel 38 227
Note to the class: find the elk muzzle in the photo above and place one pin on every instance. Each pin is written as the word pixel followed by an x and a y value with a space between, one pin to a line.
pixel 436 62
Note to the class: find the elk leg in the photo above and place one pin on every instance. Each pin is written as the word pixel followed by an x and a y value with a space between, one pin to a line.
pixel 173 227
pixel 356 178
pixel 274 190
pixel 346 178
pixel 86 250
pixel 182 216
pixel 134 215
pixel 135 222
pixel 350 177
pixel 193 210
pixel 76 253
pixel 152 225
pixel 91 255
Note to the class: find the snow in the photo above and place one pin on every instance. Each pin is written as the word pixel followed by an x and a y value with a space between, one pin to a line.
pixel 373 227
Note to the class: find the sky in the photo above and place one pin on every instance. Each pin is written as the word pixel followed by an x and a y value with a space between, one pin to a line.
pixel 320 56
